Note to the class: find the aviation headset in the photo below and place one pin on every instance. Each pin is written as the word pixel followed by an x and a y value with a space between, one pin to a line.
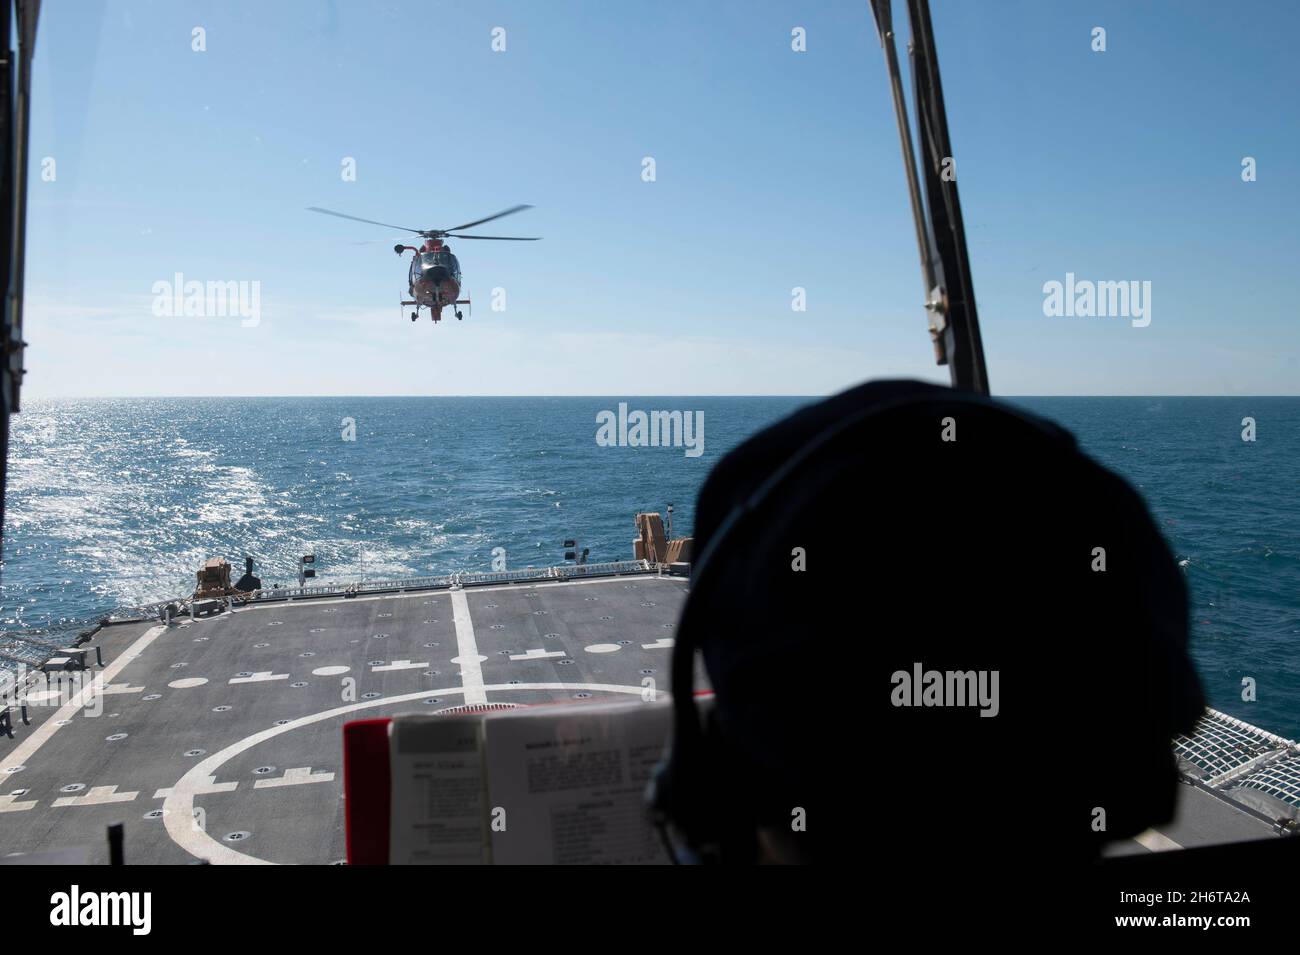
pixel 686 793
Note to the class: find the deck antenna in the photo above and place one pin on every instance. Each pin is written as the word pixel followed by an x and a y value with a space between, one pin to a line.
pixel 940 234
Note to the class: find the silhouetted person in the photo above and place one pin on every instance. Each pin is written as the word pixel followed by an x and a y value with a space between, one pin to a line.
pixel 248 582
pixel 937 531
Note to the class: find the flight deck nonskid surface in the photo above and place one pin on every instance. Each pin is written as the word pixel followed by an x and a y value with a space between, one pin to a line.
pixel 234 721
pixel 220 738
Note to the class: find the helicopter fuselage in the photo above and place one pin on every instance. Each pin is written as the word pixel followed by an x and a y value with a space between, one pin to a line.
pixel 435 279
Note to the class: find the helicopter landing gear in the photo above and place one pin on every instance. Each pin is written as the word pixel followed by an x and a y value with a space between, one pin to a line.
pixel 459 316
pixel 414 316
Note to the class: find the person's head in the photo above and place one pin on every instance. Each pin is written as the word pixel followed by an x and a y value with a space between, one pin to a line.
pixel 944 632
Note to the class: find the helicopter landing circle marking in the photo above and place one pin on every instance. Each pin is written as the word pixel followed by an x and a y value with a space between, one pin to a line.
pixel 178 808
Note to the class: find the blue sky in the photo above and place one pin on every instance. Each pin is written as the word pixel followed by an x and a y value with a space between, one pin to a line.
pixel 775 169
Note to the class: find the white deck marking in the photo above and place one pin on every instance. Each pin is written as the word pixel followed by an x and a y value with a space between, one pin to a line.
pixel 330 671
pixel 1155 841
pixel 399 665
pixel 188 683
pixel 294 777
pixel 122 688
pixel 9 804
pixel 263 677
pixel 603 648
pixel 178 810
pixel 96 796
pixel 663 643
pixel 23 753
pixel 471 669
pixel 202 788
pixel 536 654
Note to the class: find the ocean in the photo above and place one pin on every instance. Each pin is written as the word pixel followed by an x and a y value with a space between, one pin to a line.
pixel 116 502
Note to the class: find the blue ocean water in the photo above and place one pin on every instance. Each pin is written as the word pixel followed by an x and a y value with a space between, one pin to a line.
pixel 116 502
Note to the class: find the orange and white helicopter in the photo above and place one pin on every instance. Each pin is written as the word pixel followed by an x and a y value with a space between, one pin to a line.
pixel 434 277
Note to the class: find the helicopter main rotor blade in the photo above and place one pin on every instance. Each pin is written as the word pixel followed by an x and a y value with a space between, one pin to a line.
pixel 501 238
pixel 505 212
pixel 386 225
pixel 390 241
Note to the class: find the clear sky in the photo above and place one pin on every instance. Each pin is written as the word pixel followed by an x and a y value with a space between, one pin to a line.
pixel 774 169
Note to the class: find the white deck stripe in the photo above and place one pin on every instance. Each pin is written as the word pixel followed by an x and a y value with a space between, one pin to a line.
pixel 10 804
pixel 264 677
pixel 294 777
pixel 471 669
pixel 96 796
pixel 202 788
pixel 23 753
pixel 537 655
pixel 1155 841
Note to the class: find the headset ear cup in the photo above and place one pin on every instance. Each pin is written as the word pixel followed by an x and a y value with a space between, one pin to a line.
pixel 659 793
pixel 694 789
pixel 727 828
pixel 673 792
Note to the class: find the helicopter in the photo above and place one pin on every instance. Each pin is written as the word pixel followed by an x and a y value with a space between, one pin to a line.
pixel 434 280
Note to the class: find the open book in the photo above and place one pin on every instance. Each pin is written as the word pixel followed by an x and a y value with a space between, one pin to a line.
pixel 537 785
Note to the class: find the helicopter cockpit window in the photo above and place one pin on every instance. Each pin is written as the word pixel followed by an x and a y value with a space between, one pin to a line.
pixel 443 258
